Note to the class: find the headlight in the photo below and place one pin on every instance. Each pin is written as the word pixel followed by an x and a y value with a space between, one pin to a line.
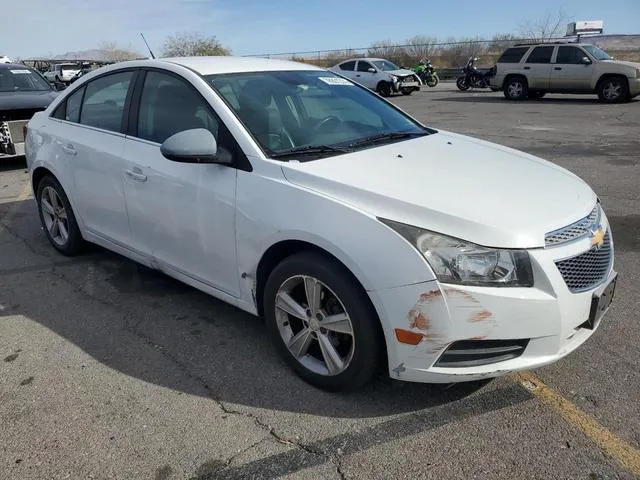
pixel 463 263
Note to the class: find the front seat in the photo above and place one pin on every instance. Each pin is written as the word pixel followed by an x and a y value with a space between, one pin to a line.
pixel 253 101
pixel 175 110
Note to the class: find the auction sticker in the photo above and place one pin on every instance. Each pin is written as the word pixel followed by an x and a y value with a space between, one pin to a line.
pixel 336 81
pixel 20 71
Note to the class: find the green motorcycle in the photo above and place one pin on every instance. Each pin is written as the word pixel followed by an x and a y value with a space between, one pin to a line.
pixel 427 73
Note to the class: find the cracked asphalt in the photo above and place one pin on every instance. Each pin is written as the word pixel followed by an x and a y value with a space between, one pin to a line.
pixel 110 370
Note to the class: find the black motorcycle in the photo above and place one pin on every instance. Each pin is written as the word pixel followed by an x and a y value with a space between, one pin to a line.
pixel 473 78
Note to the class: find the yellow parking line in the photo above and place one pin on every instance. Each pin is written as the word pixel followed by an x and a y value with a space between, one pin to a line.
pixel 626 455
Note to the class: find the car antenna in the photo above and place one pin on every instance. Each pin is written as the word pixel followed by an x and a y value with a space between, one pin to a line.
pixel 148 48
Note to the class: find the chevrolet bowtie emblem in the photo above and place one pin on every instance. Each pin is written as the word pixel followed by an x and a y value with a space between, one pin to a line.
pixel 597 237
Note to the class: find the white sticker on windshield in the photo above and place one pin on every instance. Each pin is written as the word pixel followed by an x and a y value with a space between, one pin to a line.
pixel 20 71
pixel 336 81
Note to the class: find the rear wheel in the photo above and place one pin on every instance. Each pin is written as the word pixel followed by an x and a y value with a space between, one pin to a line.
pixel 57 218
pixel 516 88
pixel 433 80
pixel 462 84
pixel 384 89
pixel 322 322
pixel 613 90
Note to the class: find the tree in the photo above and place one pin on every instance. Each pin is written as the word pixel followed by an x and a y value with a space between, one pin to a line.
pixel 112 52
pixel 421 46
pixel 193 44
pixel 545 28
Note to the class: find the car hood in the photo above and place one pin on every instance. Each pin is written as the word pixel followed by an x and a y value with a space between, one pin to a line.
pixel 455 185
pixel 402 72
pixel 26 100
pixel 623 62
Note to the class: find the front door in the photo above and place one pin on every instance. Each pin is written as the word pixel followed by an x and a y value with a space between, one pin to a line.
pixel 364 75
pixel 182 214
pixel 89 136
pixel 537 67
pixel 569 72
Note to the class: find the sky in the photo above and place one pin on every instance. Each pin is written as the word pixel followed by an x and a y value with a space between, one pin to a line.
pixel 41 28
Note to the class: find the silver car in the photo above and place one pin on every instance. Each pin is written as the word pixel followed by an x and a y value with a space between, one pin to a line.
pixel 380 75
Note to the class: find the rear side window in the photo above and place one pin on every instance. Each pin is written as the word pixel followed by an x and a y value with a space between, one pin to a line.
pixel 540 55
pixel 348 66
pixel 72 113
pixel 570 55
pixel 104 99
pixel 513 55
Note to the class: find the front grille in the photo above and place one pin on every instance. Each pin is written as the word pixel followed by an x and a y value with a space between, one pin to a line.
pixel 15 129
pixel 589 269
pixel 576 230
pixel 19 114
pixel 474 353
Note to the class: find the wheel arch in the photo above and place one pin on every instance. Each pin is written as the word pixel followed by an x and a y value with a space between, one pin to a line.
pixel 40 172
pixel 604 76
pixel 509 76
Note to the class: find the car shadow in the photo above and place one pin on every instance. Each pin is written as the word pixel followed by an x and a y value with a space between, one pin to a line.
pixel 14 163
pixel 148 326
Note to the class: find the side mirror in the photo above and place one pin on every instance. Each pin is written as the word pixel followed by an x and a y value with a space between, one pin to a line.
pixel 372 70
pixel 194 146
pixel 585 61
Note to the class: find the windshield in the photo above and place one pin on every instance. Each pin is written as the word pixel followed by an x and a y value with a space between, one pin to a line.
pixel 21 79
pixel 71 67
pixel 290 110
pixel 385 65
pixel 596 53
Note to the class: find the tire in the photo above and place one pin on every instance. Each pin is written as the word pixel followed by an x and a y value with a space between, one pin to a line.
pixel 51 212
pixel 613 90
pixel 516 88
pixel 407 91
pixel 360 351
pixel 433 81
pixel 462 84
pixel 384 89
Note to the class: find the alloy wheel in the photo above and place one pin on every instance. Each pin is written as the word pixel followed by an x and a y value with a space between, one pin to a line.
pixel 314 325
pixel 515 89
pixel 55 216
pixel 612 90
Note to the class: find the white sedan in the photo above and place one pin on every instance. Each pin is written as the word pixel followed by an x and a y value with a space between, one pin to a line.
pixel 361 236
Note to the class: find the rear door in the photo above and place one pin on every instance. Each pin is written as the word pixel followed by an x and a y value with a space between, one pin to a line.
pixel 569 73
pixel 364 76
pixel 88 131
pixel 537 67
pixel 348 69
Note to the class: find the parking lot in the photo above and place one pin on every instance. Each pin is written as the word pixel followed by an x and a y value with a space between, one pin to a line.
pixel 109 370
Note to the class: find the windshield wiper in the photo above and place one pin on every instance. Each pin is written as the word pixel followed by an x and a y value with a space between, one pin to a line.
pixel 309 150
pixel 386 136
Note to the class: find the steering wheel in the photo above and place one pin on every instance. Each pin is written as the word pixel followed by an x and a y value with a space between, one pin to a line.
pixel 331 119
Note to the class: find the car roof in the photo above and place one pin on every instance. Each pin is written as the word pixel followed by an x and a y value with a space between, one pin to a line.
pixel 368 59
pixel 228 64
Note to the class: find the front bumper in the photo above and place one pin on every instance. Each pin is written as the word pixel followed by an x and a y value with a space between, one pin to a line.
pixel 12 138
pixel 548 315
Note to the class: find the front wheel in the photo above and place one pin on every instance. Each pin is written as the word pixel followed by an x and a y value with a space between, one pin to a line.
pixel 613 90
pixel 462 83
pixel 433 80
pixel 322 322
pixel 384 89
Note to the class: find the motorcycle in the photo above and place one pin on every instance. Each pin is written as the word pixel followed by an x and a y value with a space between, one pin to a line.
pixel 473 78
pixel 427 73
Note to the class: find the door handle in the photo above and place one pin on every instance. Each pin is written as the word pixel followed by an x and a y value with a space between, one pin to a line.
pixel 136 174
pixel 557 68
pixel 69 149
pixel 527 68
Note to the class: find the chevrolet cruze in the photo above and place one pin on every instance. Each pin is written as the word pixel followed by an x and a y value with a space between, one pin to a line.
pixel 361 236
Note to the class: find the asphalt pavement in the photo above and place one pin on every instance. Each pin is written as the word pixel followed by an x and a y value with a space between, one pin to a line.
pixel 110 370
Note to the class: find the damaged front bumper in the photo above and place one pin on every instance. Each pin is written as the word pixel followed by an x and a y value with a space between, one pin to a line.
pixel 12 138
pixel 468 333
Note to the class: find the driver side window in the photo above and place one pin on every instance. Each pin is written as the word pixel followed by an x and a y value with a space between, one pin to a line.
pixel 364 66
